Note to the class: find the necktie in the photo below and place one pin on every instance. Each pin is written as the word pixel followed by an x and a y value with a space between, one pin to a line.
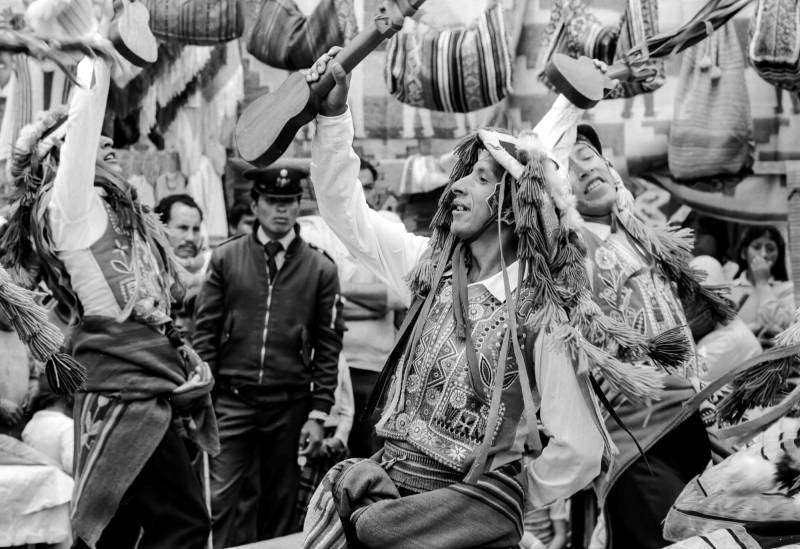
pixel 272 248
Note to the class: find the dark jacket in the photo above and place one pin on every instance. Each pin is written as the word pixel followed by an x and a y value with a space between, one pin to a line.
pixel 282 337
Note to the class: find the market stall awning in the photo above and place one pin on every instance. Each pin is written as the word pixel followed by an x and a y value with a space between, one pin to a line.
pixel 760 198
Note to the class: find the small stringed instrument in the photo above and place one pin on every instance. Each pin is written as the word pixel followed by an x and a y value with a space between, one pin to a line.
pixel 583 83
pixel 131 35
pixel 267 126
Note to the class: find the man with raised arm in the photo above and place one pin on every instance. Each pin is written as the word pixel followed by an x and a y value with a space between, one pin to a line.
pixel 492 338
pixel 107 261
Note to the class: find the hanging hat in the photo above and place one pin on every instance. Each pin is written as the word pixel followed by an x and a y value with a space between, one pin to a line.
pixel 278 182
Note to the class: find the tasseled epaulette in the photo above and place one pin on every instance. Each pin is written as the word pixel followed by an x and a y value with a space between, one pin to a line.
pixel 671 247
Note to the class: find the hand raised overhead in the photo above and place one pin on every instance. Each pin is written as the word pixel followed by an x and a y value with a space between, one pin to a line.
pixel 335 103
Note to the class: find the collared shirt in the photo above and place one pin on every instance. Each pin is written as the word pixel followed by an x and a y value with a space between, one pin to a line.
pixel 285 240
pixel 571 460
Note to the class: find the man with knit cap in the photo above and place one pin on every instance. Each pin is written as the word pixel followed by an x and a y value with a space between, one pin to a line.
pixel 269 324
pixel 639 276
pixel 492 337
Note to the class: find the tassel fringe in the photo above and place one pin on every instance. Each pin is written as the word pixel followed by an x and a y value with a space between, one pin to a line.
pixel 41 337
pixel 763 383
pixel 670 348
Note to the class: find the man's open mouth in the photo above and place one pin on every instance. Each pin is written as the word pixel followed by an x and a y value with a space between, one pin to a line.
pixel 110 157
pixel 459 207
pixel 595 184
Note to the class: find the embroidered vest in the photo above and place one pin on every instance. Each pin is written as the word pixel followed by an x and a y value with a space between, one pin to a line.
pixel 437 404
pixel 633 289
pixel 116 270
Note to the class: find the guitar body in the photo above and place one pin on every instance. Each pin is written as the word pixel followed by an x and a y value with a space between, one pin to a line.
pixel 267 127
pixel 275 118
pixel 131 35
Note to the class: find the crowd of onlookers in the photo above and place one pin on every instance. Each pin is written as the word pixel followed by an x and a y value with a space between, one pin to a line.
pixel 261 483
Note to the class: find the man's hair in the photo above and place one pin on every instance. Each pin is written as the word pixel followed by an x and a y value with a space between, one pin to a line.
pixel 239 210
pixel 164 206
pixel 366 165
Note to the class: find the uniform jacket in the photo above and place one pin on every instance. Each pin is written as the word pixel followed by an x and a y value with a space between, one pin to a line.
pixel 282 337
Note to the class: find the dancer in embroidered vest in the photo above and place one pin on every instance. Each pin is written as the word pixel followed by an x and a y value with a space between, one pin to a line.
pixel 494 335
pixel 107 261
pixel 638 276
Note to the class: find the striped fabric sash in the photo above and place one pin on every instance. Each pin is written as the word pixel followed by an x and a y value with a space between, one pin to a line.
pixel 460 70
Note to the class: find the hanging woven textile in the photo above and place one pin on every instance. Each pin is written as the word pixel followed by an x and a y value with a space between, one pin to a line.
pixel 712 130
pixel 36 87
pixel 197 22
pixel 774 47
pixel 574 31
pixel 459 70
pixel 639 23
pixel 284 38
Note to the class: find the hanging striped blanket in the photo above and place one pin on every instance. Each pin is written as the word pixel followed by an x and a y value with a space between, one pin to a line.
pixel 357 505
pixel 460 70
pixel 122 414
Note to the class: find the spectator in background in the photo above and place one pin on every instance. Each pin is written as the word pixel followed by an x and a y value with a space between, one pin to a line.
pixel 269 324
pixel 50 430
pixel 241 219
pixel 182 217
pixel 368 176
pixel 762 292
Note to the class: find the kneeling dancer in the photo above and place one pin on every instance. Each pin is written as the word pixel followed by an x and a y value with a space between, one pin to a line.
pixel 491 338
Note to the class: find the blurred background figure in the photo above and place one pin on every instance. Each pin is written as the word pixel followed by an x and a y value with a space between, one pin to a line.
pixel 762 291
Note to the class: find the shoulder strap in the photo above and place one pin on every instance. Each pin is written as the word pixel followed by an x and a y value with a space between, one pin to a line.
pixel 403 336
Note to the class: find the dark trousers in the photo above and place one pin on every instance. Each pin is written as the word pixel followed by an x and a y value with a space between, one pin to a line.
pixel 255 478
pixel 364 441
pixel 164 504
pixel 642 496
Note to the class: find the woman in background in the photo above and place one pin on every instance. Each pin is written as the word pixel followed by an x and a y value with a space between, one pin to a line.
pixel 762 291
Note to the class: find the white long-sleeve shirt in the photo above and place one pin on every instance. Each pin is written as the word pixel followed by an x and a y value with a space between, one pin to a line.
pixel 572 458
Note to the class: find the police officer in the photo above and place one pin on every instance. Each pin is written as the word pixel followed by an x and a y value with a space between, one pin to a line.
pixel 269 324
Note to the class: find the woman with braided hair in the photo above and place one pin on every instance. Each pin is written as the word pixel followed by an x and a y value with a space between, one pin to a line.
pixel 107 262
pixel 495 333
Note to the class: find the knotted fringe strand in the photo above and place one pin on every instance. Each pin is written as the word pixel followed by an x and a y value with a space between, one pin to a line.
pixel 639 382
pixel 762 383
pixel 672 246
pixel 787 474
pixel 670 348
pixel 42 338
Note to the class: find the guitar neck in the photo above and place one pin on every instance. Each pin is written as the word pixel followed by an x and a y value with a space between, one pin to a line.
pixel 391 21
